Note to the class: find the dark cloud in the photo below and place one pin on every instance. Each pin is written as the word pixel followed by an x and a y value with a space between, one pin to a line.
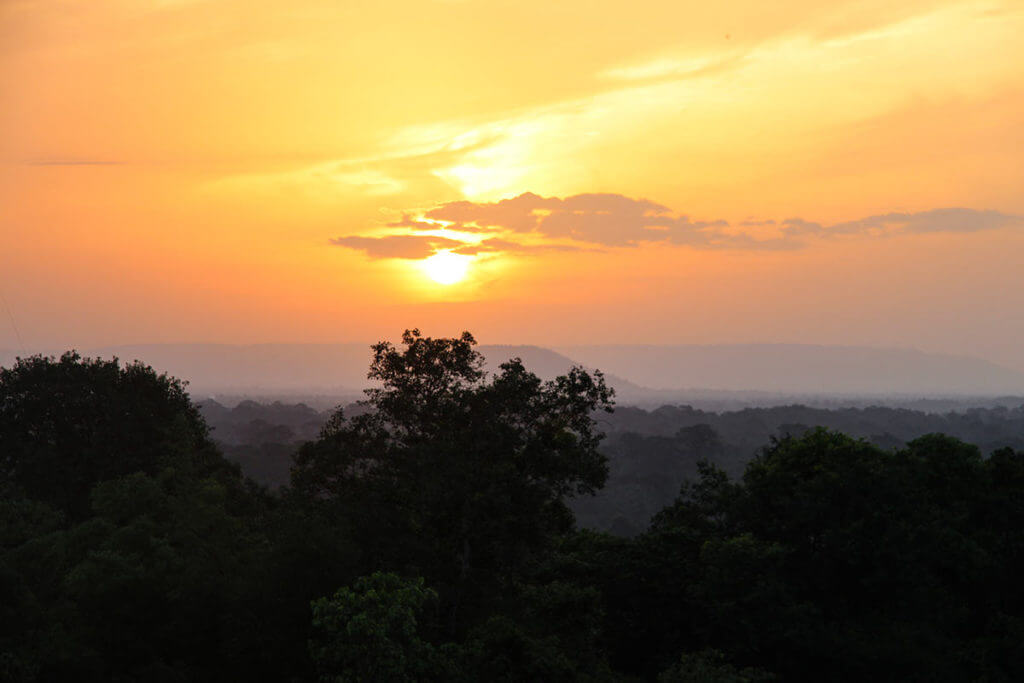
pixel 397 246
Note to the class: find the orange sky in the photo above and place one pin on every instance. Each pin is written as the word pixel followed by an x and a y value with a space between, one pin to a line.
pixel 795 171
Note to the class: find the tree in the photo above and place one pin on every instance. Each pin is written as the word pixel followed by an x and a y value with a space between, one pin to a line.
pixel 833 558
pixel 373 632
pixel 91 420
pixel 153 586
pixel 129 548
pixel 453 475
pixel 710 666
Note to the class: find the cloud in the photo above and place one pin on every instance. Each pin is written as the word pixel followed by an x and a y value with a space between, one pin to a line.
pixel 72 162
pixel 397 246
pixel 608 219
pixel 946 220
pixel 596 221
pixel 954 219
pixel 411 223
pixel 517 214
pixel 604 219
pixel 793 227
pixel 496 245
pixel 407 221
pixel 677 68
pixel 422 246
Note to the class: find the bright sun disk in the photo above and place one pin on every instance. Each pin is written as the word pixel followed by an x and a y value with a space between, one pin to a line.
pixel 446 268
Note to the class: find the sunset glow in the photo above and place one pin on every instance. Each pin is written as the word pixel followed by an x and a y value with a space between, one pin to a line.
pixel 446 268
pixel 253 171
pixel 512 340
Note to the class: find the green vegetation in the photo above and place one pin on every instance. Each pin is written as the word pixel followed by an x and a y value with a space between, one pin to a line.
pixel 430 537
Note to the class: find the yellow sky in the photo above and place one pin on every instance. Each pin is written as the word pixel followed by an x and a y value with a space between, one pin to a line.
pixel 227 170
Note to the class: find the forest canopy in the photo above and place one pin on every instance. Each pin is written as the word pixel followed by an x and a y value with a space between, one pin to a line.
pixel 430 535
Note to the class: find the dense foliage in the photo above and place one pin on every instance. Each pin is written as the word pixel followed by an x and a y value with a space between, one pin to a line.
pixel 650 452
pixel 428 535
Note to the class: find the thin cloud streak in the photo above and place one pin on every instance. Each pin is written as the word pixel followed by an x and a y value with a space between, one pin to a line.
pixel 500 246
pixel 71 162
pixel 937 220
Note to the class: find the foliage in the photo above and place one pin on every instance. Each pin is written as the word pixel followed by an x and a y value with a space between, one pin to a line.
pixel 832 555
pixel 131 550
pixel 710 666
pixel 650 452
pixel 93 420
pixel 373 632
pixel 453 476
pixel 126 541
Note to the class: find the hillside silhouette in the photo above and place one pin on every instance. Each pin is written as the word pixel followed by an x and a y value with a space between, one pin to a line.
pixel 800 368
pixel 753 374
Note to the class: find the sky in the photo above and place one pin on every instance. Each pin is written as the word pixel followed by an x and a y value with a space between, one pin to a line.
pixel 571 172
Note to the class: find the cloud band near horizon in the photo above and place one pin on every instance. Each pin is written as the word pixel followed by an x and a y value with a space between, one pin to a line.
pixel 598 221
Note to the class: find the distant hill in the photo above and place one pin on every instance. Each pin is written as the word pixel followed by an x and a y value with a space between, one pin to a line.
pixel 801 369
pixel 714 376
pixel 548 364
pixel 328 369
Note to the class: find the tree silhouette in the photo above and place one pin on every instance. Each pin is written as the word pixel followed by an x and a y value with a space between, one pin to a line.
pixel 68 423
pixel 455 476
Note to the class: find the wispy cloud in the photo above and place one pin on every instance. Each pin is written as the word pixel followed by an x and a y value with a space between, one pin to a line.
pixel 740 92
pixel 937 220
pixel 409 222
pixel 500 246
pixel 72 162
pixel 677 68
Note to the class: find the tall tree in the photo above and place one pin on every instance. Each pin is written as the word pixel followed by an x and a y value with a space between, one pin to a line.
pixel 453 475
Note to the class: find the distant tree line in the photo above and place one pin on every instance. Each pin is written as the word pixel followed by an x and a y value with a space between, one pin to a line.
pixel 650 452
pixel 429 535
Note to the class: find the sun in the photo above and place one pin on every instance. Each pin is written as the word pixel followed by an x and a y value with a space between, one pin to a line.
pixel 446 268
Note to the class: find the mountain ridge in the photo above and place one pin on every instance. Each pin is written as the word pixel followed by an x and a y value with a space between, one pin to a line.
pixel 801 368
pixel 638 372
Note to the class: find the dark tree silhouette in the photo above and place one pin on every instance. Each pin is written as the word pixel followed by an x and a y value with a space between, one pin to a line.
pixel 453 475
pixel 68 423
